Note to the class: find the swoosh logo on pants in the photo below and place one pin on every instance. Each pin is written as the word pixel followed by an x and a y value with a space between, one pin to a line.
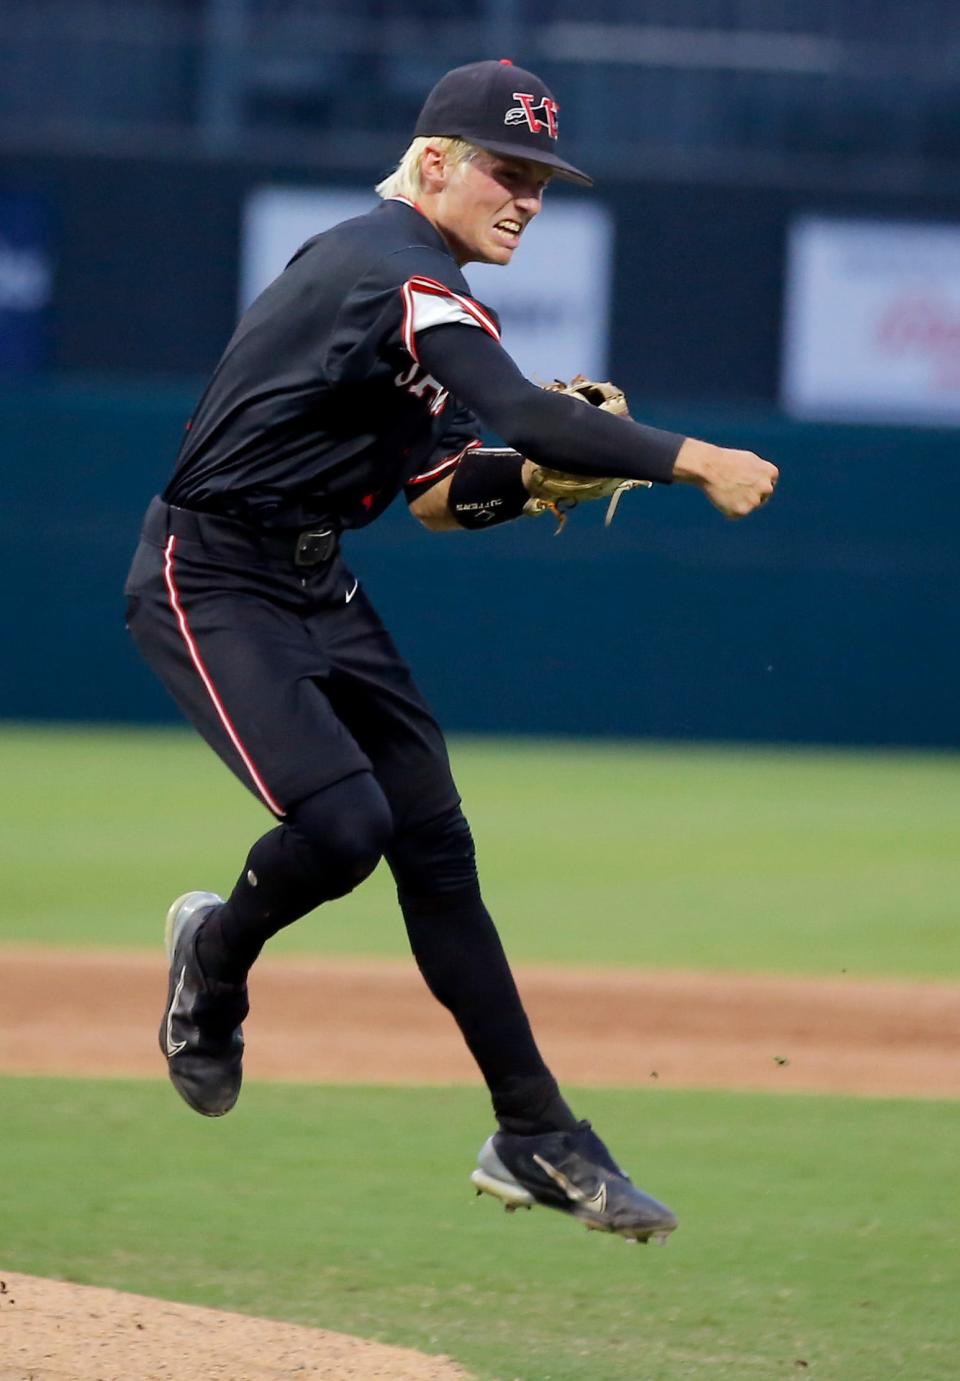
pixel 350 593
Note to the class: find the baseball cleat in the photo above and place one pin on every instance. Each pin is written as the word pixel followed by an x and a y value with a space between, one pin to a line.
pixel 575 1173
pixel 200 1033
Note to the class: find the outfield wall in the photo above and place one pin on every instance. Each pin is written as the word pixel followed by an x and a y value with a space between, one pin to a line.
pixel 146 263
pixel 829 617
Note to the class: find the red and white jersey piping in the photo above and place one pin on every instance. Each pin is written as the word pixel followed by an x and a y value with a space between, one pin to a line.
pixel 427 303
pixel 446 464
pixel 206 678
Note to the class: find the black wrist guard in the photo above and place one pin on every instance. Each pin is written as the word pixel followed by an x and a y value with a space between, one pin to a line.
pixel 487 488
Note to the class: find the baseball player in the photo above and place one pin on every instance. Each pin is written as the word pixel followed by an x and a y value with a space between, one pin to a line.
pixel 366 369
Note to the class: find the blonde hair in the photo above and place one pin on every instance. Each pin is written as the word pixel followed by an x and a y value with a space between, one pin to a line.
pixel 405 180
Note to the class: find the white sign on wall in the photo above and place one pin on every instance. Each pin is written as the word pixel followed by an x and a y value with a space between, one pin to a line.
pixel 553 299
pixel 872 321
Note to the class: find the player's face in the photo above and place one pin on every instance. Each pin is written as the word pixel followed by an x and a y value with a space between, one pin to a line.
pixel 487 204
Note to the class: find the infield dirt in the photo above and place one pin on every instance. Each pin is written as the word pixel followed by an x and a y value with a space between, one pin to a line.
pixel 358 1021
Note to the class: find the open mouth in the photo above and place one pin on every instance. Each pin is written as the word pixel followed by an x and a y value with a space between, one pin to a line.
pixel 509 230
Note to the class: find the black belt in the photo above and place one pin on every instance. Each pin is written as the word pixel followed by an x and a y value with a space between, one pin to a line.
pixel 310 547
pixel 313 547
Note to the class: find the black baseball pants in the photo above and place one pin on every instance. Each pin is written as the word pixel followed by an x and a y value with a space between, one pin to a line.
pixel 290 676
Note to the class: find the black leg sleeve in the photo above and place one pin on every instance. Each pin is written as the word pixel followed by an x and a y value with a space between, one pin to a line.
pixel 330 843
pixel 458 951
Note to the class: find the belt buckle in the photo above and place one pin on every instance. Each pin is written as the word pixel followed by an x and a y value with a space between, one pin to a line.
pixel 314 547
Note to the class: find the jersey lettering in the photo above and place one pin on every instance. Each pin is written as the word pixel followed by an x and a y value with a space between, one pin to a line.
pixel 422 386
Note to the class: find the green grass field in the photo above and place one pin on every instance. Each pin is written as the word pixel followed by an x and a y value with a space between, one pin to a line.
pixel 818 1234
pixel 609 854
pixel 814 1231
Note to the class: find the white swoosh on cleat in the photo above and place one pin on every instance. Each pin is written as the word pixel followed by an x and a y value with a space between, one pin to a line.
pixel 565 1183
pixel 597 1203
pixel 349 596
pixel 174 1047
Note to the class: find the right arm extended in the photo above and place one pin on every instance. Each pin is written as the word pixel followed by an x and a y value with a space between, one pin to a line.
pixel 566 434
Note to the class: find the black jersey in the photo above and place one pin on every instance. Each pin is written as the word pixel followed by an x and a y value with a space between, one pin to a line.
pixel 319 407
pixel 363 369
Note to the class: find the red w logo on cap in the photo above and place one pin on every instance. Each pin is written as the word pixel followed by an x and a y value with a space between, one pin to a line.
pixel 526 112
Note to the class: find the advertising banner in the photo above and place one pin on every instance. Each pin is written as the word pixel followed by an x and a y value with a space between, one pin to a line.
pixel 555 320
pixel 26 281
pixel 872 322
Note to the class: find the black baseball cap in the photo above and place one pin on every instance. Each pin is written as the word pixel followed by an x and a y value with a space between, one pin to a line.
pixel 501 108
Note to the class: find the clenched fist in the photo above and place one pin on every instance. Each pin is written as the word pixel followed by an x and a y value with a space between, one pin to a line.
pixel 736 482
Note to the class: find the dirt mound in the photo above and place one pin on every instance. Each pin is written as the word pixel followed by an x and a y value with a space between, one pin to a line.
pixel 53 1331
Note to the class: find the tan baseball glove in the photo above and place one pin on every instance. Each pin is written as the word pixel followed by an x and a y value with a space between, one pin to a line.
pixel 556 491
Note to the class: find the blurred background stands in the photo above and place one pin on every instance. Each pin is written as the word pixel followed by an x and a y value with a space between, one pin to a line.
pixel 738 87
